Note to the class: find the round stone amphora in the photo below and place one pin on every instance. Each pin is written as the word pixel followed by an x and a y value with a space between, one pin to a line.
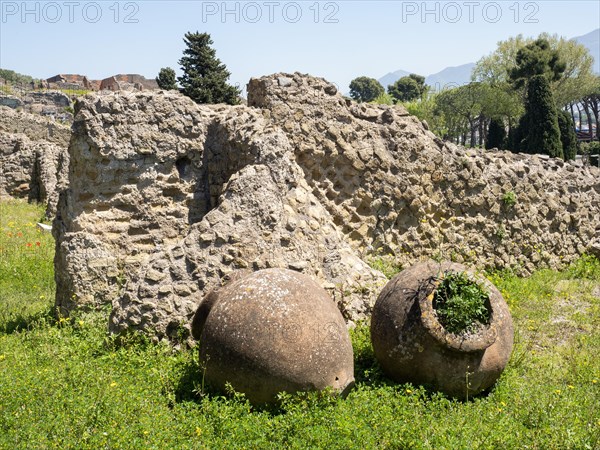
pixel 273 331
pixel 412 345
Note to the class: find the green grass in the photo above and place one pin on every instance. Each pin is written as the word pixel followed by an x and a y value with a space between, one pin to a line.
pixel 67 384
pixel 76 92
pixel 26 268
pixel 386 264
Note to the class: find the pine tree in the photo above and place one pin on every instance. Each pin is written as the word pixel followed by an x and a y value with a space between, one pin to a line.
pixel 204 77
pixel 166 79
pixel 537 58
pixel 365 89
pixel 543 134
pixel 408 88
pixel 496 134
pixel 568 138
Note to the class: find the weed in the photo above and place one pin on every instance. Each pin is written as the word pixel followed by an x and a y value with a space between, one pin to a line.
pixel 500 232
pixel 461 303
pixel 585 267
pixel 386 265
pixel 510 199
pixel 6 89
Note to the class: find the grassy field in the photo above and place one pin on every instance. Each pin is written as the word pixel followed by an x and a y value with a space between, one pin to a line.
pixel 67 384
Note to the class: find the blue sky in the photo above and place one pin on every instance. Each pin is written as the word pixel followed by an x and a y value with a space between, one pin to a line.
pixel 338 40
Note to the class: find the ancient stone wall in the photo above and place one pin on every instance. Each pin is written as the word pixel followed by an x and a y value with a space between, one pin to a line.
pixel 49 104
pixel 395 188
pixel 167 197
pixel 33 157
pixel 35 127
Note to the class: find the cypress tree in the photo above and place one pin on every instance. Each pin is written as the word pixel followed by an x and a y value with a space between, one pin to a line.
pixel 517 136
pixel 496 134
pixel 568 138
pixel 543 135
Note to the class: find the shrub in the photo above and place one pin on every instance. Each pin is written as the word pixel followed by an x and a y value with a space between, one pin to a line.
pixel 591 148
pixel 383 99
pixel 166 79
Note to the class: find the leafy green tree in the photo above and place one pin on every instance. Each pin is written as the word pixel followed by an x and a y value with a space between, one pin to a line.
pixel 591 107
pixel 568 138
pixel 14 77
pixel 426 109
pixel 166 79
pixel 543 133
pixel 204 77
pixel 502 101
pixel 408 88
pixel 496 134
pixel 574 82
pixel 365 89
pixel 462 108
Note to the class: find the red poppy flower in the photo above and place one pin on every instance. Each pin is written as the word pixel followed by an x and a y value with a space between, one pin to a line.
pixel 37 244
pixel 29 244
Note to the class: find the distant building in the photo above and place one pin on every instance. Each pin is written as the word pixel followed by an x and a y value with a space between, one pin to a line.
pixel 72 81
pixel 120 82
pixel 128 82
pixel 67 78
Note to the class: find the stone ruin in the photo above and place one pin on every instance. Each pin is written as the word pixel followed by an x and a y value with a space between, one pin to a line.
pixel 166 197
pixel 54 105
pixel 33 157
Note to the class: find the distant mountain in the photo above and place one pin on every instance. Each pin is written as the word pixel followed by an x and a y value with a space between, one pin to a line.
pixel 591 41
pixel 459 75
pixel 450 77
pixel 391 77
